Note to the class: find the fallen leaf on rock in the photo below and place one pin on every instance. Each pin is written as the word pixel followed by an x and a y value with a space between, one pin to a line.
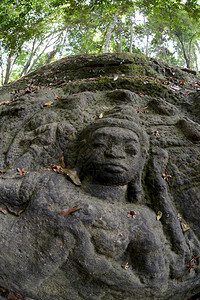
pixel 115 77
pixel 20 212
pixel 105 107
pixel 62 160
pixel 59 82
pixel 4 211
pixel 21 171
pixel 15 91
pixel 72 175
pixel 132 214
pixel 69 211
pixel 53 167
pixel 184 227
pixel 36 88
pixel 141 110
pixel 179 217
pixel 125 267
pixel 190 266
pixel 99 117
pixel 57 97
pixel 159 215
pixel 166 176
pixel 15 296
pixel 156 133
pixel 4 102
pixel 48 103
pixel 4 170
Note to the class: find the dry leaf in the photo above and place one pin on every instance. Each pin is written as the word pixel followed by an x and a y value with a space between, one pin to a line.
pixel 4 102
pixel 99 117
pixel 115 77
pixel 57 97
pixel 19 212
pixel 53 167
pixel 185 227
pixel 72 175
pixel 62 162
pixel 159 215
pixel 4 211
pixel 166 176
pixel 179 217
pixel 21 171
pixel 156 133
pixel 48 103
pixel 125 267
pixel 15 91
pixel 105 107
pixel 4 170
pixel 132 214
pixel 68 211
pixel 59 82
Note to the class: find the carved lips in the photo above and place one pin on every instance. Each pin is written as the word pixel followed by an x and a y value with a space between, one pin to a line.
pixel 114 167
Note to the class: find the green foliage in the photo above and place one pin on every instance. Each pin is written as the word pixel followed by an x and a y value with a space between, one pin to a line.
pixel 33 32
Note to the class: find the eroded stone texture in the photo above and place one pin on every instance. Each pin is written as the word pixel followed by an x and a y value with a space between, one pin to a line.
pixel 138 162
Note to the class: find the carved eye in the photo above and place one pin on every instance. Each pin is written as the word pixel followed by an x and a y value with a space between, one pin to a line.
pixel 131 149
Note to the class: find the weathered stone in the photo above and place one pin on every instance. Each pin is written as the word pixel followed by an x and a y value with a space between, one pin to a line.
pixel 134 141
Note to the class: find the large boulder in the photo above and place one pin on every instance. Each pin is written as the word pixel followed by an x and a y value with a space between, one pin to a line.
pixel 100 180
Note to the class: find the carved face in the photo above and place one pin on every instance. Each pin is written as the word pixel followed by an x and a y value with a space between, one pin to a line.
pixel 113 157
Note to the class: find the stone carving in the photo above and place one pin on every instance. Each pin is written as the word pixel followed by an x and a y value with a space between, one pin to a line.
pixel 115 246
pixel 111 154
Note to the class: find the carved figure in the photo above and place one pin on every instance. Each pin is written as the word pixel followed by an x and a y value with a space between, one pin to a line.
pixel 111 154
pixel 114 239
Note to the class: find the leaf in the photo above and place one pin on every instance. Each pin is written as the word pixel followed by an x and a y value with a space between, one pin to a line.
pixel 99 117
pixel 48 103
pixel 4 170
pixel 4 211
pixel 20 212
pixel 59 82
pixel 4 102
pixel 115 77
pixel 73 176
pixel 21 172
pixel 132 214
pixel 159 215
pixel 125 267
pixel 69 211
pixel 53 167
pixel 57 97
pixel 62 162
pixel 185 227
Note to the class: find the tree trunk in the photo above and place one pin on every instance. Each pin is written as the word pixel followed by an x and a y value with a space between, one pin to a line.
pixel 1 75
pixel 186 57
pixel 110 33
pixel 120 41
pixel 8 68
pixel 104 37
pixel 131 38
pixel 147 40
pixel 27 65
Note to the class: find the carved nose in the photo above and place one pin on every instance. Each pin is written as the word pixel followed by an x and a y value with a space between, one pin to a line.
pixel 115 152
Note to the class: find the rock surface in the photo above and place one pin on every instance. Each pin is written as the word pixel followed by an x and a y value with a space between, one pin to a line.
pixel 129 126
